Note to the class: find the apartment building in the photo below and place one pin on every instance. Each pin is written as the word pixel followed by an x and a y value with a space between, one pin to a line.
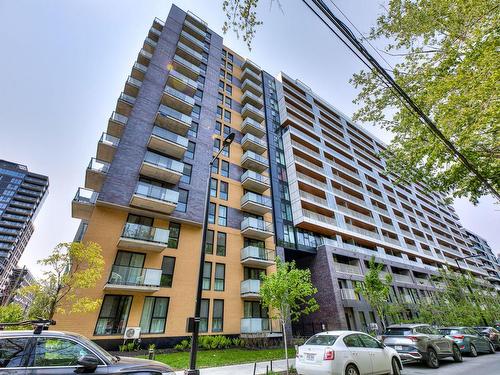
pixel 484 252
pixel 22 193
pixel 20 278
pixel 300 181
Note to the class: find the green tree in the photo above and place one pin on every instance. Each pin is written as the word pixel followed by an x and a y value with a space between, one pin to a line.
pixel 447 61
pixel 288 294
pixel 376 290
pixel 70 268
pixel 11 313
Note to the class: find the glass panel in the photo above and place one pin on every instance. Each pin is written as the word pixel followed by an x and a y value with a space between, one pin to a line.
pixel 12 351
pixel 56 352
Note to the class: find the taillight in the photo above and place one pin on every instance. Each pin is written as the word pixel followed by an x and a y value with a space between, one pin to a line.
pixel 413 338
pixel 329 355
pixel 460 337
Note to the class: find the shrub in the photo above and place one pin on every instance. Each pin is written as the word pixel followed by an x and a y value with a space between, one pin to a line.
pixel 183 345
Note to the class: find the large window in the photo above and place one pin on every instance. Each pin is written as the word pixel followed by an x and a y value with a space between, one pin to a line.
pixel 127 269
pixel 154 314
pixel 182 202
pixel 224 189
pixel 209 243
pixel 253 309
pixel 204 309
pixel 224 168
pixel 215 166
pixel 167 272
pixel 12 351
pixel 186 173
pixel 218 315
pixel 222 215
pixel 213 187
pixel 221 244
pixel 207 276
pixel 193 130
pixel 173 235
pixel 220 274
pixel 58 352
pixel 113 315
pixel 190 150
pixel 211 213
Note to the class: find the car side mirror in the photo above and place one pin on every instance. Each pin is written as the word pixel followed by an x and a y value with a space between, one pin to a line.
pixel 87 363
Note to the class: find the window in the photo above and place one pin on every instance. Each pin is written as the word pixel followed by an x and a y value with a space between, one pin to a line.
pixel 186 173
pixel 215 166
pixel 216 146
pixel 183 200
pixel 224 188
pixel 222 73
pixel 173 235
pixel 12 351
pixel 220 274
pixel 209 243
pixel 129 259
pixel 198 94
pixel 225 150
pixel 229 89
pixel 213 187
pixel 204 307
pixel 228 101
pixel 218 315
pixel 218 127
pixel 224 168
pixel 204 56
pixel 227 130
pixel 229 67
pixel 230 57
pixel 211 213
pixel 190 150
pixel 167 272
pixel 207 276
pixel 196 111
pixel 253 309
pixel 227 116
pixel 113 315
pixel 219 112
pixel 193 130
pixel 203 68
pixel 58 352
pixel 201 79
pixel 154 314
pixel 221 84
pixel 353 341
pixel 222 215
pixel 369 342
pixel 221 244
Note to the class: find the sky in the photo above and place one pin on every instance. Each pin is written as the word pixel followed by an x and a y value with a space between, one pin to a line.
pixel 64 63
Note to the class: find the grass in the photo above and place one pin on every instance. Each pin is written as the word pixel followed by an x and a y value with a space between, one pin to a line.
pixel 215 358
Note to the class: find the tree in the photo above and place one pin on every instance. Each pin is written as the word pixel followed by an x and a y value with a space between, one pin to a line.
pixel 447 61
pixel 11 313
pixel 376 291
pixel 70 268
pixel 288 294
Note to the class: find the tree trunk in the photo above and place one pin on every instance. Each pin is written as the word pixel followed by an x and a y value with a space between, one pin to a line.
pixel 286 345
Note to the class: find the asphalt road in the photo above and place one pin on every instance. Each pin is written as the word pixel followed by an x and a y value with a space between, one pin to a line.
pixel 484 364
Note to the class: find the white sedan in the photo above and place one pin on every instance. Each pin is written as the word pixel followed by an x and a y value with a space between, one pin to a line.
pixel 346 353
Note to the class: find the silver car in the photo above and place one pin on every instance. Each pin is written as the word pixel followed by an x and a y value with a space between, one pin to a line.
pixel 421 342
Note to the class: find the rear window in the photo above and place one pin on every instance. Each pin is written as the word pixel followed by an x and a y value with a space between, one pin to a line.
pixel 449 332
pixel 326 340
pixel 397 332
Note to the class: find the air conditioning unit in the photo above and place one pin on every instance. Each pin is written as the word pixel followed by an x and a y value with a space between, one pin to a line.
pixel 132 333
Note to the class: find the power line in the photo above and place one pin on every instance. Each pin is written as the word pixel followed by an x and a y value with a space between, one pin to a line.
pixel 353 43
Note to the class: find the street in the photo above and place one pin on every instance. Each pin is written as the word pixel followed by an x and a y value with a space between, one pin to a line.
pixel 485 364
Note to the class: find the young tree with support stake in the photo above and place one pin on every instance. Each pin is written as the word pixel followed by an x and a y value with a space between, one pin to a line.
pixel 288 294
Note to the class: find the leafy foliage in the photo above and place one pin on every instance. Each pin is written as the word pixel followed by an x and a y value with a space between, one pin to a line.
pixel 70 268
pixel 11 313
pixel 448 63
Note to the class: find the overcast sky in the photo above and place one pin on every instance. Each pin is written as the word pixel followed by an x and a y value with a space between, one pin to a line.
pixel 64 63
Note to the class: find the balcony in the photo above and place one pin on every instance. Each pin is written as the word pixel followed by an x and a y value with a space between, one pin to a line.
pixel 116 123
pixel 254 181
pixel 177 100
pixel 167 142
pixel 154 33
pixel 318 219
pixel 256 228
pixel 143 238
pixel 183 66
pixel 194 30
pixel 251 75
pixel 249 64
pixel 348 295
pixel 144 57
pixel 155 198
pixel 95 174
pixel 252 99
pixel 249 126
pixel 356 214
pixel 194 19
pixel 138 71
pixel 253 143
pixel 124 104
pixel 250 289
pixel 254 113
pixel 132 86
pixel 256 204
pixel 11 224
pixel 253 256
pixel 133 279
pixel 402 278
pixel 255 325
pixel 173 120
pixel 363 231
pixel 248 85
pixel 188 53
pixel 192 42
pixel 347 268
pixel 149 45
pixel 161 168
pixel 312 198
pixel 181 83
pixel 83 203
pixel 106 147
pixel 253 161
pixel 422 281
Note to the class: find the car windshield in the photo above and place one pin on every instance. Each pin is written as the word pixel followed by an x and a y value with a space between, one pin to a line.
pixel 326 340
pixel 398 331
pixel 449 332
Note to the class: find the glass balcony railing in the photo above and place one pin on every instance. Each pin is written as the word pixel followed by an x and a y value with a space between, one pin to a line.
pixel 187 64
pixel 250 287
pixel 133 82
pixel 157 192
pixel 179 95
pixel 134 276
pixel 251 222
pixel 254 176
pixel 252 123
pixel 145 233
pixel 127 98
pixel 170 112
pixel 191 26
pixel 191 39
pixel 119 118
pixel 259 253
pixel 198 56
pixel 86 196
pixel 109 140
pixel 196 20
pixel 255 325
pixel 182 78
pixel 252 138
pixel 256 157
pixel 170 136
pixel 98 166
pixel 256 198
pixel 164 162
pixel 145 54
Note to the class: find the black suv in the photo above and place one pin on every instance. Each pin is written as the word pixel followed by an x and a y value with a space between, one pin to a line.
pixel 52 352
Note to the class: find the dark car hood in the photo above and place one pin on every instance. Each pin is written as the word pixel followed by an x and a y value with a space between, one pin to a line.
pixel 126 364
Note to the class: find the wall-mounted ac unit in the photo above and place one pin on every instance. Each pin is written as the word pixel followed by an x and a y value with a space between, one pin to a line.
pixel 132 333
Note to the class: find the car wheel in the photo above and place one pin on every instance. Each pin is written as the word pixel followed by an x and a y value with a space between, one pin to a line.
pixel 492 348
pixel 395 367
pixel 351 370
pixel 432 359
pixel 457 355
pixel 473 351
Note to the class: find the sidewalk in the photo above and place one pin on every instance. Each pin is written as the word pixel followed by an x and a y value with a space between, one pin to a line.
pixel 244 369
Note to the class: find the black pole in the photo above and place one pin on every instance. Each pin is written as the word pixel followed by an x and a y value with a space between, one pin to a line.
pixel 196 326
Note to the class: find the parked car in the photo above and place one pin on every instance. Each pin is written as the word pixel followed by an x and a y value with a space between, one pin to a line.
pixel 469 340
pixel 46 352
pixel 346 353
pixel 492 333
pixel 421 342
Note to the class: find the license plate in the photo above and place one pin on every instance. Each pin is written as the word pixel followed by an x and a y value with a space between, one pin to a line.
pixel 310 357
pixel 398 347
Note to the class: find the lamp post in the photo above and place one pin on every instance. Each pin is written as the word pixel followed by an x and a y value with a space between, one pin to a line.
pixel 468 286
pixel 196 324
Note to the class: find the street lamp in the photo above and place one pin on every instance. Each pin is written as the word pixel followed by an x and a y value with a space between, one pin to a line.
pixel 196 323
